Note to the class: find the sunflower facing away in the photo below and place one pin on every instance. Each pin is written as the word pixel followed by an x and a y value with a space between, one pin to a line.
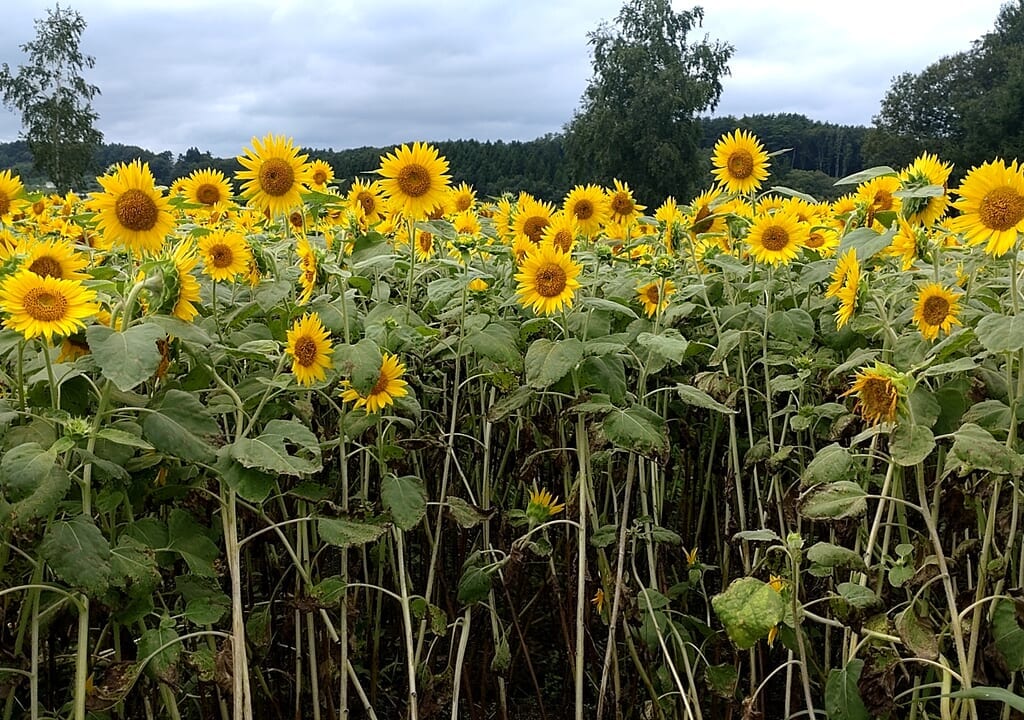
pixel 385 391
pixel 207 187
pixel 776 239
pixel 415 179
pixel 590 206
pixel 275 174
pixel 991 206
pixel 307 269
pixel 654 296
pixel 879 391
pixel 846 264
pixel 936 310
pixel 547 280
pixel 225 254
pixel 542 506
pixel 847 291
pixel 185 259
pixel 309 345
pixel 45 306
pixel 740 162
pixel 132 212
pixel 10 189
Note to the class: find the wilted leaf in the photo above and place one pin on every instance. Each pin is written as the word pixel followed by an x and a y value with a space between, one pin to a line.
pixel 834 500
pixel 406 498
pixel 346 533
pixel 842 697
pixel 748 609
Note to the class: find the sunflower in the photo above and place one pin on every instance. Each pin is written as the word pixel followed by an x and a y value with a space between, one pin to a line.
pixel 367 199
pixel 388 388
pixel 225 254
pixel 477 285
pixel 847 292
pixel 876 196
pixel 307 269
pixel 73 347
pixel 542 506
pixel 309 344
pixel 466 222
pixel 936 309
pixel 777 238
pixel 45 306
pixel 425 245
pixel 547 280
pixel 521 247
pixel 132 212
pixel 320 173
pixel 415 179
pixel 621 203
pixel 462 198
pixel 275 174
pixel 823 240
pixel 926 170
pixel 10 190
pixel 879 391
pixel 654 295
pixel 207 187
pixel 531 220
pixel 846 264
pixel 561 232
pixel 905 243
pixel 740 162
pixel 589 205
pixel 185 258
pixel 55 258
pixel 706 216
pixel 991 206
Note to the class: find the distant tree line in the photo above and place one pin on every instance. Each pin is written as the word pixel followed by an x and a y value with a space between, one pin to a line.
pixel 820 152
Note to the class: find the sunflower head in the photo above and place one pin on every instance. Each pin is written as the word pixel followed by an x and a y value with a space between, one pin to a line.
pixel 309 345
pixel 385 391
pixel 415 179
pixel 132 212
pixel 654 296
pixel 547 280
pixel 532 219
pixel 542 506
pixel 589 205
pixel 776 238
pixel 275 174
pixel 621 203
pixel 225 254
pixel 991 206
pixel 45 306
pixel 936 310
pixel 880 391
pixel 11 190
pixel 925 207
pixel 320 174
pixel 740 162
pixel 207 188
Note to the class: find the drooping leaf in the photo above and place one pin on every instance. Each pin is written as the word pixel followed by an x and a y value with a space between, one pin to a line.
pixel 698 398
pixel 548 361
pixel 1001 333
pixel 360 363
pixel 406 498
pixel 465 514
pixel 1008 634
pixel 188 538
pixel 638 429
pixel 180 426
pixel 748 609
pixel 834 500
pixel 78 553
pixel 271 453
pixel 343 532
pixel 32 484
pixel 126 358
pixel 831 463
pixel 975 449
pixel 910 444
pixel 159 645
pixel 835 556
pixel 842 696
pixel 916 635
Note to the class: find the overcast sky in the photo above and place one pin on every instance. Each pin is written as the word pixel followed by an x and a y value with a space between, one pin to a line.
pixel 348 73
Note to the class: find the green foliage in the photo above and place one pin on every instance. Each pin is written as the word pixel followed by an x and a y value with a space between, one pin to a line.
pixel 637 119
pixel 54 99
pixel 748 609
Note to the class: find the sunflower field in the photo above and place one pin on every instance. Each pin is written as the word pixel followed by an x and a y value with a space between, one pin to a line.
pixel 381 448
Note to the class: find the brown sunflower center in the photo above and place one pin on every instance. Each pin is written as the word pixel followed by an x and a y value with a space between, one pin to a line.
pixel 551 280
pixel 584 210
pixel 305 351
pixel 935 310
pixel 815 240
pixel 208 194
pixel 882 201
pixel 877 398
pixel 44 305
pixel 136 210
pixel 5 203
pixel 221 255
pixel 277 177
pixel 740 164
pixel 47 266
pixel 414 180
pixel 653 296
pixel 295 218
pixel 622 204
pixel 381 385
pixel 1002 208
pixel 463 203
pixel 367 202
pixel 702 221
pixel 534 226
pixel 562 240
pixel 38 207
pixel 426 241
pixel 775 238
pixel 319 176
